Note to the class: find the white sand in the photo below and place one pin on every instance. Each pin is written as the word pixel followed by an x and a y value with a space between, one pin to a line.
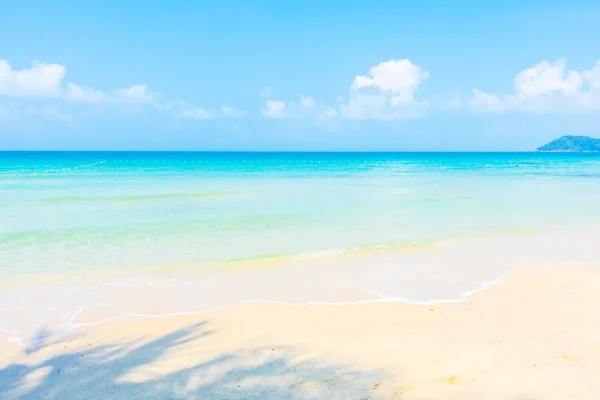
pixel 534 336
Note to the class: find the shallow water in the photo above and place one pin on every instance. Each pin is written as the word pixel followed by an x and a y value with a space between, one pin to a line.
pixel 75 226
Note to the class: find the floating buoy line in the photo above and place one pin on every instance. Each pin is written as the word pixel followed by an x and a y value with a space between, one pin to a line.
pixel 170 161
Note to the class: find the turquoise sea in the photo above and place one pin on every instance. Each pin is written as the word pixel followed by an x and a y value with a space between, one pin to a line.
pixel 109 214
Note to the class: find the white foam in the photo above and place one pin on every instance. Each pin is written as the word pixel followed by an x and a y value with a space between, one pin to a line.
pixel 443 273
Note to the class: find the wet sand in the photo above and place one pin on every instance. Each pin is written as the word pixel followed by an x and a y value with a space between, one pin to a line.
pixel 532 336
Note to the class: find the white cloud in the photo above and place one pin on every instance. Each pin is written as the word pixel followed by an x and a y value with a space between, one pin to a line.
pixel 85 94
pixel 196 113
pixel 400 77
pixel 134 94
pixel 387 93
pixel 41 80
pixel 483 101
pixel 307 102
pixel 274 109
pixel 180 109
pixel 545 78
pixel 593 76
pixel 328 113
pixel 231 112
pixel 305 107
pixel 545 88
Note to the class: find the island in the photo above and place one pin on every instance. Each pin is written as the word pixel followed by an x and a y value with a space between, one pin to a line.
pixel 572 144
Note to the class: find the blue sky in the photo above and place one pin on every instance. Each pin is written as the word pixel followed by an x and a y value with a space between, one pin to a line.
pixel 297 75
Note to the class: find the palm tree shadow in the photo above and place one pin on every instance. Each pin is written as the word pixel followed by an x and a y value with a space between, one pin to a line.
pixel 124 371
pixel 43 338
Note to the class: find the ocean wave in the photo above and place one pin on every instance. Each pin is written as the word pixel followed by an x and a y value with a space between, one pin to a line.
pixel 446 273
pixel 137 198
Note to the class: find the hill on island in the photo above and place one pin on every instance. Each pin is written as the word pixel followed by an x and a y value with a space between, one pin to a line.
pixel 572 143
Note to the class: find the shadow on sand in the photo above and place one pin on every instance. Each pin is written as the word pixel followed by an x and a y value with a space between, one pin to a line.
pixel 130 371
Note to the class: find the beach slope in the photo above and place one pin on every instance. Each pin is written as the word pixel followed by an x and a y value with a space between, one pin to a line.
pixel 532 336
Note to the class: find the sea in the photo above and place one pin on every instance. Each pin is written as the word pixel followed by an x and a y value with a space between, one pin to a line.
pixel 91 236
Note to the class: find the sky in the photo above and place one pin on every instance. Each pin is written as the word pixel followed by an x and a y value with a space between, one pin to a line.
pixel 297 75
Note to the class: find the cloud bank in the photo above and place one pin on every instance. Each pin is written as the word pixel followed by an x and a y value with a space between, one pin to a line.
pixel 386 93
pixel 543 89
pixel 46 81
pixel 43 80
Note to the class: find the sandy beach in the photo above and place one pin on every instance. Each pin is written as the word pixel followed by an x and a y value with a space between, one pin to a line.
pixel 295 200
pixel 532 336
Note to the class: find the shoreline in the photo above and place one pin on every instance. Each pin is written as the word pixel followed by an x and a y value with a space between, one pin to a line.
pixel 508 341
pixel 444 273
pixel 84 325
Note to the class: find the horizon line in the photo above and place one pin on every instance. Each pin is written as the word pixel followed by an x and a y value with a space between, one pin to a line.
pixel 281 151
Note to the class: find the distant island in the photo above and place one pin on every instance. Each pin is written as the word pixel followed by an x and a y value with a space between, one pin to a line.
pixel 572 143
